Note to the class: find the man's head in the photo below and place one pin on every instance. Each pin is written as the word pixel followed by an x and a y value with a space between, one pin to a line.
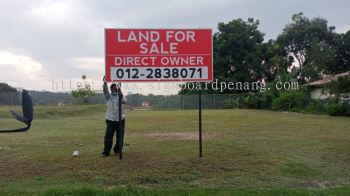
pixel 114 88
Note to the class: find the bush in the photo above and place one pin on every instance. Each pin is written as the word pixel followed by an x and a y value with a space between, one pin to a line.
pixel 338 110
pixel 291 99
pixel 335 110
pixel 316 107
pixel 297 109
pixel 250 101
pixel 230 104
pixel 331 100
pixel 247 101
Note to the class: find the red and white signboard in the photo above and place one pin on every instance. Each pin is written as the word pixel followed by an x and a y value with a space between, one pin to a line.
pixel 153 55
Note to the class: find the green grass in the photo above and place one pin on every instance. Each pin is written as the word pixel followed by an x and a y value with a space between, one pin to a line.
pixel 245 152
pixel 130 190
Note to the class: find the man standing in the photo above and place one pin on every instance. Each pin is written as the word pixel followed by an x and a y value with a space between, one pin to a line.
pixel 112 117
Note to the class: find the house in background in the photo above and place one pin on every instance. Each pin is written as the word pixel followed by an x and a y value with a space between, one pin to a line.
pixel 316 87
pixel 145 104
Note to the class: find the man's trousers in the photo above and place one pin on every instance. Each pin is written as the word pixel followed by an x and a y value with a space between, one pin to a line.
pixel 112 126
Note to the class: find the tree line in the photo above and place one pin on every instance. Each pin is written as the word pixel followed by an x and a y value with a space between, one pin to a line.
pixel 307 49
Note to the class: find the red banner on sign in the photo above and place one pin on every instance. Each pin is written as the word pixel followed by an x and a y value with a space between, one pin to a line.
pixel 153 55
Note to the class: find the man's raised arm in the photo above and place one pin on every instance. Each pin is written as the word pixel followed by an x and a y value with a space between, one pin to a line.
pixel 105 89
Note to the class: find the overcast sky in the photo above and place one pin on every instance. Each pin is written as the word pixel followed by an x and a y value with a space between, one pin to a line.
pixel 46 42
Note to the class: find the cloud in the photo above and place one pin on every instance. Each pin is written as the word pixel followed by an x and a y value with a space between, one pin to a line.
pixel 89 63
pixel 52 13
pixel 29 66
pixel 20 70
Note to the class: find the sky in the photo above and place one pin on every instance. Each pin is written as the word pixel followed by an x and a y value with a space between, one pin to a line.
pixel 49 44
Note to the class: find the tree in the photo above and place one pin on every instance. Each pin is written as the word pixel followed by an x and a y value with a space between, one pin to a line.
pixel 321 60
pixel 83 93
pixel 238 53
pixel 5 88
pixel 306 40
pixel 342 55
pixel 238 50
pixel 339 86
pixel 275 60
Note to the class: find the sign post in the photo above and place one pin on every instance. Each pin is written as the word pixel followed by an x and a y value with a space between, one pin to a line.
pixel 160 55
pixel 120 124
pixel 200 123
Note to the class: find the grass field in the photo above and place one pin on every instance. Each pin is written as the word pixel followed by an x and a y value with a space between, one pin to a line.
pixel 245 152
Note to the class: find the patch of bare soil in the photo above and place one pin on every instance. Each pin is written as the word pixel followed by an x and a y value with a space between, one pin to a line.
pixel 314 184
pixel 12 168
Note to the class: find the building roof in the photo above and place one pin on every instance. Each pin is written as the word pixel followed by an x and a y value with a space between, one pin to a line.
pixel 327 79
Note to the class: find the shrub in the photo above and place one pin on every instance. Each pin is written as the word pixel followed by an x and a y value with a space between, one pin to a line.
pixel 246 100
pixel 250 100
pixel 297 109
pixel 290 99
pixel 335 109
pixel 331 100
pixel 230 104
pixel 347 109
pixel 338 109
pixel 316 107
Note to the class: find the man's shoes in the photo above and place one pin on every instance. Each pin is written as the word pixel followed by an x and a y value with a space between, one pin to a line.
pixel 116 153
pixel 104 155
